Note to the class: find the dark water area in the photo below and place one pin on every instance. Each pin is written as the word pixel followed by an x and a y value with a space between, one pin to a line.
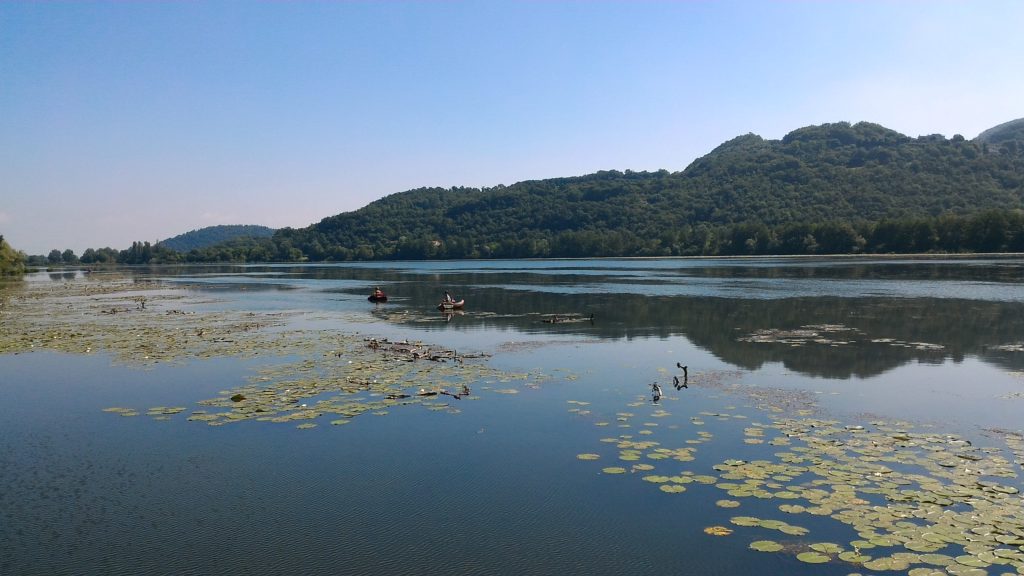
pixel 498 487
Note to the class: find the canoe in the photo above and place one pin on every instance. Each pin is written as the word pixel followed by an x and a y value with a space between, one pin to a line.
pixel 451 305
pixel 373 298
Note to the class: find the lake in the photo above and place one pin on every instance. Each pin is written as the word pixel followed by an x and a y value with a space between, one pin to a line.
pixel 839 415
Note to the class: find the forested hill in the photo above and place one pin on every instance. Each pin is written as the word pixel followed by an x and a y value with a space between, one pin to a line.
pixel 858 175
pixel 212 235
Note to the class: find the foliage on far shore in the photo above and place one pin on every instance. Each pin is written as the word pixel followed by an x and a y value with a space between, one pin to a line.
pixel 213 235
pixel 986 232
pixel 12 262
pixel 829 189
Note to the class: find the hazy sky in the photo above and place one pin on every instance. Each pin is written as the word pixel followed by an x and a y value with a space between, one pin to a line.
pixel 129 121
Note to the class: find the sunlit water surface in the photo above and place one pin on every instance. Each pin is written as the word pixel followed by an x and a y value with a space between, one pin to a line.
pixel 496 488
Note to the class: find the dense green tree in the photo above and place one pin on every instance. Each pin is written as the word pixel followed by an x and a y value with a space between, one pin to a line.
pixel 12 262
pixel 987 232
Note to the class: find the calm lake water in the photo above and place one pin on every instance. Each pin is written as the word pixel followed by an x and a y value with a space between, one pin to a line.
pixel 497 487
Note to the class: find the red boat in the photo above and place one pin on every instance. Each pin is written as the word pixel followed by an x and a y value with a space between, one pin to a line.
pixel 455 305
pixel 382 297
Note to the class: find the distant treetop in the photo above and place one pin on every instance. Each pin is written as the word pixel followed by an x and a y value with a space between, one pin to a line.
pixel 213 235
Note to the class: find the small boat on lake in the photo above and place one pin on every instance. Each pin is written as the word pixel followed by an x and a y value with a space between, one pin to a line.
pixel 452 305
pixel 378 296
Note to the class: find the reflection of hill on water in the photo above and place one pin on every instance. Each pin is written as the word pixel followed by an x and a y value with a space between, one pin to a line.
pixel 872 335
pixel 884 333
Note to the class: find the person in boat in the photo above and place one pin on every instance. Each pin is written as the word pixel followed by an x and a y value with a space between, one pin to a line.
pixel 448 297
pixel 378 293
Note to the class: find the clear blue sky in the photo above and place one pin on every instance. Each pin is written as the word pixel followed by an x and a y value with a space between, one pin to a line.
pixel 127 121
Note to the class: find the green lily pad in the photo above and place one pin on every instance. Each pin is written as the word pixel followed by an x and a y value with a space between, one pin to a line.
pixel 853 557
pixel 827 548
pixel 813 557
pixel 766 546
pixel 794 530
pixel 926 572
pixel 972 561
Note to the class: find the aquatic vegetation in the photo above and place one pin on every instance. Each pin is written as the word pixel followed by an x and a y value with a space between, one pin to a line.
pixel 833 335
pixel 813 557
pixel 916 500
pixel 766 546
pixel 306 374
pixel 122 411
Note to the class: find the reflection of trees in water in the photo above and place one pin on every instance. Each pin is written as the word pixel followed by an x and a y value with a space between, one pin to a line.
pixel 960 327
pixel 998 270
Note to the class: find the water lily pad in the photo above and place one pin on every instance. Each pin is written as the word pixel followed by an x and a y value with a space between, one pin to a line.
pixel 614 470
pixel 972 561
pixel 827 548
pixel 588 456
pixel 727 503
pixel 926 572
pixel 766 546
pixel 813 557
pixel 937 559
pixel 793 530
pixel 853 557
pixel 718 530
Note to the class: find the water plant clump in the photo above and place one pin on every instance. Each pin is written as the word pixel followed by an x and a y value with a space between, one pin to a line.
pixel 307 373
pixel 356 378
pixel 915 500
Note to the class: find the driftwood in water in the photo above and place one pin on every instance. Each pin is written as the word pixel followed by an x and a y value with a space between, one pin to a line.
pixel 412 351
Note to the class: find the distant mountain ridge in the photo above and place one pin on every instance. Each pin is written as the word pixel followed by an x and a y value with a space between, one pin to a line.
pixel 213 235
pixel 835 172
pixel 1008 131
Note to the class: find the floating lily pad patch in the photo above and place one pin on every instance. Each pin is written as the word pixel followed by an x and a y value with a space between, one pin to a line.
pixel 813 557
pixel 766 546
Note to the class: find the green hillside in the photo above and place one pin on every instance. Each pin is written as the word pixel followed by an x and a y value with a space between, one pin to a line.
pixel 1007 132
pixel 213 235
pixel 748 195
